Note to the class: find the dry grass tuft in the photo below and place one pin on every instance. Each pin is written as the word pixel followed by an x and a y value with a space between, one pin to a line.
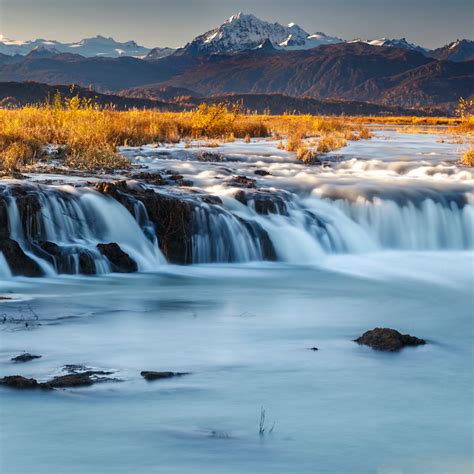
pixel 468 158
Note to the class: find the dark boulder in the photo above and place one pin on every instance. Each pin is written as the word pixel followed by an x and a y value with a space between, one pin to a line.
pixel 262 172
pixel 26 357
pixel 20 382
pixel 151 375
pixel 386 339
pixel 119 260
pixel 18 261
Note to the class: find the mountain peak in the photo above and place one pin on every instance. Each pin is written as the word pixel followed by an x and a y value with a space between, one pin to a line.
pixel 243 32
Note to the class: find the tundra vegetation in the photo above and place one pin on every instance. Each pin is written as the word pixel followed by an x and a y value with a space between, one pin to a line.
pixel 80 135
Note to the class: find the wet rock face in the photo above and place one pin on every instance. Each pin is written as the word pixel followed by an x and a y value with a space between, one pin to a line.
pixel 4 223
pixel 119 260
pixel 264 202
pixel 63 258
pixel 26 357
pixel 386 339
pixel 18 261
pixel 171 216
pixel 151 375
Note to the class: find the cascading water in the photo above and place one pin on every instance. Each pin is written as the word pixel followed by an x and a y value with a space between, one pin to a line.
pixel 60 229
pixel 289 213
pixel 297 230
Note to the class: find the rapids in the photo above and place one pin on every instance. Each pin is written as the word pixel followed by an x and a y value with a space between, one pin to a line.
pixel 373 195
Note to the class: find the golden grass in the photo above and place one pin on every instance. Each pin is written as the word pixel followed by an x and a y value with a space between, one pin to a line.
pixel 468 158
pixel 89 137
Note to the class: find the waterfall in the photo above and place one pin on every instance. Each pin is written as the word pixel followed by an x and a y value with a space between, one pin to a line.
pixel 62 229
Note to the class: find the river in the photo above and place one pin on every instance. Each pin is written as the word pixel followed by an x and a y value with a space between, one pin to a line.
pixel 382 236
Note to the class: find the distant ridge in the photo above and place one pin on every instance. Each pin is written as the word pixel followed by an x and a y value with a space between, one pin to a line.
pixel 17 94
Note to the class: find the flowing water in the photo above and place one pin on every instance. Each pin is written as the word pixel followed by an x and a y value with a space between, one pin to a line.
pixel 381 235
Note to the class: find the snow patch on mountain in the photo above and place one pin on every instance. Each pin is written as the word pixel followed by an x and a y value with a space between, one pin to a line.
pixel 392 43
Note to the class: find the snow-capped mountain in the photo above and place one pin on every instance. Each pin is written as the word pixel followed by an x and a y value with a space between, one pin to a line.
pixel 393 43
pixel 244 32
pixel 459 50
pixel 158 53
pixel 89 47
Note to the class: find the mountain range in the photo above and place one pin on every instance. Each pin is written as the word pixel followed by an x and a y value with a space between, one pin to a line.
pixel 246 55
pixel 238 33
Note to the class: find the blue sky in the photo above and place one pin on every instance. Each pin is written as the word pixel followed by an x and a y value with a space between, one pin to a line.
pixel 431 23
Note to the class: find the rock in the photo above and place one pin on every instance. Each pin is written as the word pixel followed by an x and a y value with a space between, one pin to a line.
pixel 86 263
pixel 69 380
pixel 151 178
pixel 243 182
pixel 119 260
pixel 151 375
pixel 20 382
pixel 211 157
pixel 264 202
pixel 4 222
pixel 26 357
pixel 112 189
pixel 313 349
pixel 18 261
pixel 262 173
pixel 386 339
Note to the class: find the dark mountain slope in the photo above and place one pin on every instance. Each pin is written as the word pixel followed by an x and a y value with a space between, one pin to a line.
pixel 439 83
pixel 460 50
pixel 103 74
pixel 325 71
pixel 31 93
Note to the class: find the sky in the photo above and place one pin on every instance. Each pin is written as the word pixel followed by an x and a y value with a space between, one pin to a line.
pixel 431 23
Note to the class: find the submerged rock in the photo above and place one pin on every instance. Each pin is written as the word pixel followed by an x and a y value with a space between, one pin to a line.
pixel 151 375
pixel 386 339
pixel 119 260
pixel 262 172
pixel 26 357
pixel 18 262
